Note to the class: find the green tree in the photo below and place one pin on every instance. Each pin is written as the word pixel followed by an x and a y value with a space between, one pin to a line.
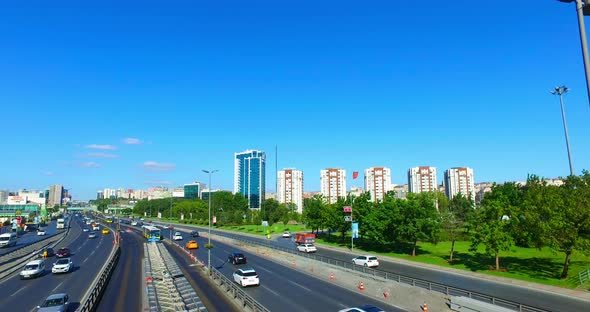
pixel 453 217
pixel 419 220
pixel 312 212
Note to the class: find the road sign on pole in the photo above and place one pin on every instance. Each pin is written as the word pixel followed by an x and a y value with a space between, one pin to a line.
pixel 348 218
pixel 347 209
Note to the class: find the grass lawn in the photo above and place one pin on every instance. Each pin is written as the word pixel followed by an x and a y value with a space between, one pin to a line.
pixel 528 264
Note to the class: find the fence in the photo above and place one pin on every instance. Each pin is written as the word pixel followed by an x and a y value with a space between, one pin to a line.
pixel 584 276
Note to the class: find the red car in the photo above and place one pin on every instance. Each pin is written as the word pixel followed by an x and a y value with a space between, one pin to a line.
pixel 63 252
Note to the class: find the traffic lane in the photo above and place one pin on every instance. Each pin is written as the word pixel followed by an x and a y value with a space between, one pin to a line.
pixel 211 296
pixel 283 288
pixel 28 238
pixel 87 262
pixel 124 290
pixel 528 296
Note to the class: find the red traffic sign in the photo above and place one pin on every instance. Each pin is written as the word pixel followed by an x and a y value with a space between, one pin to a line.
pixel 347 209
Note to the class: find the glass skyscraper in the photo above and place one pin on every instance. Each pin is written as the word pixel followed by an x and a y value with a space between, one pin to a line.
pixel 250 176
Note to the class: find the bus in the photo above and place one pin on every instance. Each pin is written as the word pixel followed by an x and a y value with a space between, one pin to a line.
pixel 151 233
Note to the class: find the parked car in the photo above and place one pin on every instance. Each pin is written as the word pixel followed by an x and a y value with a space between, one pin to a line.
pixel 195 233
pixel 177 236
pixel 237 258
pixel 55 303
pixel 246 277
pixel 33 269
pixel 368 261
pixel 41 232
pixel 92 235
pixel 307 248
pixel 286 234
pixel 63 265
pixel 63 252
pixel 46 252
pixel 192 244
pixel 363 308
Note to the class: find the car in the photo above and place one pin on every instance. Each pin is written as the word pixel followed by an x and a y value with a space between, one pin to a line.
pixel 92 235
pixel 134 223
pixel 195 233
pixel 171 227
pixel 191 244
pixel 237 258
pixel 85 229
pixel 367 261
pixel 307 248
pixel 141 219
pixel 63 252
pixel 363 308
pixel 63 265
pixel 41 233
pixel 33 269
pixel 105 231
pixel 55 303
pixel 286 234
pixel 177 236
pixel 46 252
pixel 246 277
pixel 95 227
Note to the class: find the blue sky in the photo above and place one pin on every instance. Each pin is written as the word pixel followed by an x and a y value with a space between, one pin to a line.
pixel 343 84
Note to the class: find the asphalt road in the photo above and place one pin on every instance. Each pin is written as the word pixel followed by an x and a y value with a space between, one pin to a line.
pixel 524 295
pixel 124 290
pixel 283 288
pixel 29 237
pixel 88 256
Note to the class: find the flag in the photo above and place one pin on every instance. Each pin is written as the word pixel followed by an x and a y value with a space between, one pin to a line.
pixel 355 174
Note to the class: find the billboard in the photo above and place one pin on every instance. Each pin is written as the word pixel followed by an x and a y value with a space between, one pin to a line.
pixel 355 230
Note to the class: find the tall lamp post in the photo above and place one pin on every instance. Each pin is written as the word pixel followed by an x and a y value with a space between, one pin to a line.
pixel 583 8
pixel 561 91
pixel 209 172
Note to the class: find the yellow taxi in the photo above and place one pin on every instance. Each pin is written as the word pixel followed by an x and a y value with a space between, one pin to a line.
pixel 105 231
pixel 192 245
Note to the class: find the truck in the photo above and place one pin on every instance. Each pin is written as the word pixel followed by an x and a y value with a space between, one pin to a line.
pixel 304 238
pixel 61 223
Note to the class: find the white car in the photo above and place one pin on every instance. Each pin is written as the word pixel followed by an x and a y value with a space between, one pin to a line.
pixel 41 233
pixel 63 265
pixel 286 234
pixel 95 227
pixel 134 223
pixel 177 236
pixel 85 230
pixel 246 277
pixel 307 248
pixel 364 308
pixel 367 261
pixel 34 268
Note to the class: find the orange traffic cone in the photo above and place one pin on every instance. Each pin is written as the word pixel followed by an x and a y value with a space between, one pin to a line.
pixel 294 263
pixel 425 307
pixel 332 276
pixel 361 286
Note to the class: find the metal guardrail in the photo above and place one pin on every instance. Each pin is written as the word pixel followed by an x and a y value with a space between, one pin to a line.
pixel 584 276
pixel 92 298
pixel 416 282
pixel 235 291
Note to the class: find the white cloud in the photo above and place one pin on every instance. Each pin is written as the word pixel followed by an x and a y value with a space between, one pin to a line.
pixel 102 147
pixel 89 164
pixel 158 167
pixel 133 141
pixel 100 155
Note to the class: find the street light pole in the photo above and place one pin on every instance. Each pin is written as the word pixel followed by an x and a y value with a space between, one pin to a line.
pixel 580 10
pixel 209 172
pixel 561 91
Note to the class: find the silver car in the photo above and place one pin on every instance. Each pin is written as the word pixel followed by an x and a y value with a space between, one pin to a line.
pixel 55 303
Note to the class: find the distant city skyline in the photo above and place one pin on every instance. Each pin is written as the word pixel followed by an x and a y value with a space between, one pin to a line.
pixel 149 95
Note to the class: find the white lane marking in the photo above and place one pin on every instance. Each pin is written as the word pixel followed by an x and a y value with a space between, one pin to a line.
pixel 297 284
pixel 272 291
pixel 85 259
pixel 56 287
pixel 263 269
pixel 16 292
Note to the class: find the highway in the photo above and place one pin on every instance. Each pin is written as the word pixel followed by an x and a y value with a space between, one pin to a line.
pixel 29 238
pixel 88 256
pixel 283 288
pixel 529 296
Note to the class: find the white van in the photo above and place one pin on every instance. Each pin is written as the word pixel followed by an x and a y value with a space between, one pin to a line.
pixel 7 239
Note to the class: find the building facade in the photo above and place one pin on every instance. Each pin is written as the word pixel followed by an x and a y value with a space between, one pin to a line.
pixel 459 180
pixel 250 176
pixel 56 193
pixel 422 179
pixel 377 182
pixel 290 189
pixel 193 190
pixel 333 184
